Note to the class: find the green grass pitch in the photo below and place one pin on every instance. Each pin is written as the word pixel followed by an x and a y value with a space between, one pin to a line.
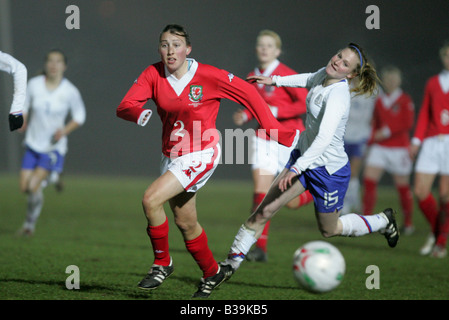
pixel 97 224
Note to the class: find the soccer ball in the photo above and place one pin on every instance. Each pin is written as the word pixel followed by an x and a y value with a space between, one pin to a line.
pixel 318 266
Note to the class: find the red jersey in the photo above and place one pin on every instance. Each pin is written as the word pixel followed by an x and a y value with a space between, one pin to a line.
pixel 433 118
pixel 289 103
pixel 188 107
pixel 395 112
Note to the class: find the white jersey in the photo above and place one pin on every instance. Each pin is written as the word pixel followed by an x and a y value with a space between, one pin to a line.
pixel 49 110
pixel 321 144
pixel 358 128
pixel 19 72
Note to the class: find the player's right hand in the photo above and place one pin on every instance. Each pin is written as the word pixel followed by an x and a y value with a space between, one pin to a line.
pixel 268 81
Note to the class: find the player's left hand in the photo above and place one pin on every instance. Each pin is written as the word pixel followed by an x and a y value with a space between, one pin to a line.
pixel 15 121
pixel 287 180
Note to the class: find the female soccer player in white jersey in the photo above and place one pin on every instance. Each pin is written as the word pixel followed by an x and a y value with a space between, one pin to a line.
pixel 431 137
pixel 187 95
pixel 19 72
pixel 267 156
pixel 320 163
pixel 50 98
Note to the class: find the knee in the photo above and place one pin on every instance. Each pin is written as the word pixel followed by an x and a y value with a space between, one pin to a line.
pixel 151 202
pixel 328 231
pixel 186 225
pixel 420 192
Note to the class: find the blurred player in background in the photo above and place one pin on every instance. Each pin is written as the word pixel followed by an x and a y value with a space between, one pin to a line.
pixel 50 99
pixel 432 136
pixel 358 130
pixel 187 95
pixel 393 119
pixel 268 157
pixel 19 72
pixel 319 162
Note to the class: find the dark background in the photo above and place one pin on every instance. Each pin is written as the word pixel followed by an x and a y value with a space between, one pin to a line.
pixel 118 40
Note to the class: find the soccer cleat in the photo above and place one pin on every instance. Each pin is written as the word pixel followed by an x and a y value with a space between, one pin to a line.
pixel 257 255
pixel 25 232
pixel 391 232
pixel 210 283
pixel 428 245
pixel 156 276
pixel 438 252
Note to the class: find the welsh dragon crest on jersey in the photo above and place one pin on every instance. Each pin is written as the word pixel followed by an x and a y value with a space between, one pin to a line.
pixel 196 93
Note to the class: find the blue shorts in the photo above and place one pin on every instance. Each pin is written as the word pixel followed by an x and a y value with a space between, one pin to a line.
pixel 355 149
pixel 51 161
pixel 328 190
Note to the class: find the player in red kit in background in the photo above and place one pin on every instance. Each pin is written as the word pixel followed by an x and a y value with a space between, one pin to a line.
pixel 432 137
pixel 268 157
pixel 187 95
pixel 393 119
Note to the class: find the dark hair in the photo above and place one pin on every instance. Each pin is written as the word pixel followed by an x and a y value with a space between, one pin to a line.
pixel 177 30
pixel 56 50
pixel 365 71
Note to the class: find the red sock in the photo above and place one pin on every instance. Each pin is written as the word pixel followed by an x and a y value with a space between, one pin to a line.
pixel 305 198
pixel 429 208
pixel 263 239
pixel 369 196
pixel 405 195
pixel 443 225
pixel 159 239
pixel 257 199
pixel 200 251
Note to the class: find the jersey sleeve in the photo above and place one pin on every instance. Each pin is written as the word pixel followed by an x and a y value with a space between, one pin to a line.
pixel 237 90
pixel 19 73
pixel 131 107
pixel 301 80
pixel 77 107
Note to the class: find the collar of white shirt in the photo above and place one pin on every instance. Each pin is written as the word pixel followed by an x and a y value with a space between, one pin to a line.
pixel 268 71
pixel 179 84
pixel 389 100
pixel 444 80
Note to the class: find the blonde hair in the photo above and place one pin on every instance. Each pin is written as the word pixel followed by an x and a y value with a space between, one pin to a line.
pixel 366 72
pixel 274 35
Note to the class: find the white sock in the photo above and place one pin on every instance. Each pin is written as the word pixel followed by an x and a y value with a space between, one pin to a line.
pixel 34 208
pixel 352 199
pixel 243 241
pixel 355 225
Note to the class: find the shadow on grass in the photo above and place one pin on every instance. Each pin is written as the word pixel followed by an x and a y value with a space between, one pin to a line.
pixel 84 288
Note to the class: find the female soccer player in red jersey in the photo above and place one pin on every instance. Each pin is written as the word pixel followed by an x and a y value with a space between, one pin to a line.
pixel 432 136
pixel 187 95
pixel 267 156
pixel 393 119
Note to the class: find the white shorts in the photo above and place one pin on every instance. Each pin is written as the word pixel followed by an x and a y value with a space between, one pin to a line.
pixel 269 155
pixel 434 155
pixel 193 169
pixel 395 160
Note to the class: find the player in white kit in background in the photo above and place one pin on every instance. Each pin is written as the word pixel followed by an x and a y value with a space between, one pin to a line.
pixel 50 99
pixel 18 70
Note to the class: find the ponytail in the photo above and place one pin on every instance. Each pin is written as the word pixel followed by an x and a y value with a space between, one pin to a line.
pixel 368 79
